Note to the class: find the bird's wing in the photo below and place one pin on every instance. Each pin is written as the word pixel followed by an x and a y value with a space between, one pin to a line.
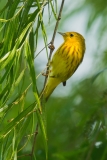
pixel 58 65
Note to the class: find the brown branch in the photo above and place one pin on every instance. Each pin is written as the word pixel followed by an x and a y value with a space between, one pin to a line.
pixel 53 38
pixel 50 54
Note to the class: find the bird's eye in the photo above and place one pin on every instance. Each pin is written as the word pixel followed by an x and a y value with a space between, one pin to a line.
pixel 71 35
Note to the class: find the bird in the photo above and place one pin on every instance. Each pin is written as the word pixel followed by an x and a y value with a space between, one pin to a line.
pixel 65 61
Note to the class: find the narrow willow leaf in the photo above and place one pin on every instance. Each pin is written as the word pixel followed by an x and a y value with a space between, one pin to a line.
pixel 43 27
pixel 1 150
pixel 43 129
pixel 8 64
pixel 30 61
pixel 24 16
pixel 4 20
pixel 32 72
pixel 4 93
pixel 31 42
pixel 17 100
pixel 12 7
pixel 8 145
pixel 56 5
pixel 10 30
pixel 21 129
pixel 21 38
pixel 3 108
pixel 12 53
pixel 14 143
pixel 54 13
pixel 14 85
pixel 19 78
pixel 5 7
pixel 36 32
pixel 9 60
pixel 44 36
pixel 4 57
pixel 32 16
pixel 7 129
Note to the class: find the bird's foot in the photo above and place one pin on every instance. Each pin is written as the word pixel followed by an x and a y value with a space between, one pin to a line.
pixel 45 74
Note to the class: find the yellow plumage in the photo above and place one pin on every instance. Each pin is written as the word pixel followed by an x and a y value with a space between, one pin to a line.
pixel 65 61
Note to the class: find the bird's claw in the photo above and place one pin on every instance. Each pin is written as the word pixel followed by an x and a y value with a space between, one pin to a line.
pixel 45 74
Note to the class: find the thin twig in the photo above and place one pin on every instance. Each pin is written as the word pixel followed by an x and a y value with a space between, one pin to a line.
pixel 50 54
pixel 41 51
pixel 53 38
pixel 34 142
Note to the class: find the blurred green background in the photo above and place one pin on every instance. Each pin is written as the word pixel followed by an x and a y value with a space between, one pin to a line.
pixel 75 116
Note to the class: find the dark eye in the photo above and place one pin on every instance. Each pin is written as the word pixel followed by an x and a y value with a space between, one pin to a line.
pixel 71 35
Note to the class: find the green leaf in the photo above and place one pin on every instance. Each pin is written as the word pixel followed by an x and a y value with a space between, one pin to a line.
pixel 32 72
pixel 30 61
pixel 43 130
pixel 7 129
pixel 54 13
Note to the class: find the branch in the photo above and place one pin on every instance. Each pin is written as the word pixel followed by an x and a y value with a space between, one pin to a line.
pixel 51 47
pixel 50 54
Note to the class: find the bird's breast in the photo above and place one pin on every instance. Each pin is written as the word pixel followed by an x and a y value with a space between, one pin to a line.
pixel 73 57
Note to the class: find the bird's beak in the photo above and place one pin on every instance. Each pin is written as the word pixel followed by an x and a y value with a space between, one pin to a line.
pixel 63 34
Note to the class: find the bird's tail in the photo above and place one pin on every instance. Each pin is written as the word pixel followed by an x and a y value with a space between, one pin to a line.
pixel 52 83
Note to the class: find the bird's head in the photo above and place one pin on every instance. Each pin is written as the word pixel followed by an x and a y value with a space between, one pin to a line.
pixel 72 37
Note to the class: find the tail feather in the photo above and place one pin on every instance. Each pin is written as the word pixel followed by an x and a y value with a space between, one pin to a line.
pixel 52 83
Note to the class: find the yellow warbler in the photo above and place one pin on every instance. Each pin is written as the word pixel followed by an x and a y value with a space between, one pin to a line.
pixel 65 61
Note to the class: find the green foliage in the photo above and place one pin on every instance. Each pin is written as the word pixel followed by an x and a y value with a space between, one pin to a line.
pixel 74 127
pixel 20 23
